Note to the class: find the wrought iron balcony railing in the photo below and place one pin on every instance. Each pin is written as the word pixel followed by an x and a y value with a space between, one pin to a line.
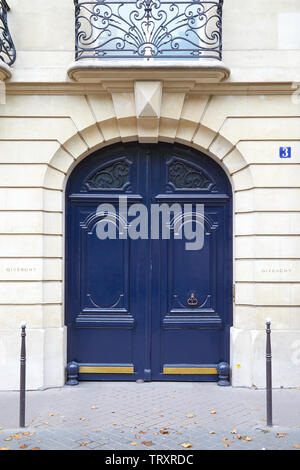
pixel 148 29
pixel 7 48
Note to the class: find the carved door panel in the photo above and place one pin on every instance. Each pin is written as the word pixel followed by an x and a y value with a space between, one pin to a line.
pixel 107 281
pixel 148 308
pixel 191 289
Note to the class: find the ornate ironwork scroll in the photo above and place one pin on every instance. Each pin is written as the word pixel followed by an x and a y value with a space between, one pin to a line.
pixel 149 29
pixel 183 176
pixel 7 48
pixel 115 176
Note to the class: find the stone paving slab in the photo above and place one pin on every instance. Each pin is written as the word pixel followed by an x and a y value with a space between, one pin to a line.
pixel 150 416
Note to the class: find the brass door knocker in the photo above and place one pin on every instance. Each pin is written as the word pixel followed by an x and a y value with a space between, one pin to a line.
pixel 192 301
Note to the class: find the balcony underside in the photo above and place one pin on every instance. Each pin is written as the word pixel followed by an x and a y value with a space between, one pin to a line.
pixel 178 74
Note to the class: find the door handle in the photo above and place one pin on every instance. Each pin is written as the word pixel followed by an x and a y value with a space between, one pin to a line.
pixel 192 301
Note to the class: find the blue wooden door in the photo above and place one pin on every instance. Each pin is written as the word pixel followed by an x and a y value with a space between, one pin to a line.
pixel 148 308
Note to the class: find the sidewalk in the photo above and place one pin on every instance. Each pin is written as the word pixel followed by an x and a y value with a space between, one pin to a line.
pixel 153 416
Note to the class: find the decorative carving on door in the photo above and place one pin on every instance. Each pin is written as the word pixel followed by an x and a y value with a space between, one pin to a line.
pixel 114 176
pixel 184 176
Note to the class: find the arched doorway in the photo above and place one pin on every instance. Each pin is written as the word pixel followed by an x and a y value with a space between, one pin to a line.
pixel 148 264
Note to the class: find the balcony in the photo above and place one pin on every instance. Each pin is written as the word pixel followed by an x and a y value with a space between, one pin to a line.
pixel 148 37
pixel 7 48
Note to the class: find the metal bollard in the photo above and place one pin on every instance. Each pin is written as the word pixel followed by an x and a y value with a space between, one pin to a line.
pixel 22 377
pixel 269 375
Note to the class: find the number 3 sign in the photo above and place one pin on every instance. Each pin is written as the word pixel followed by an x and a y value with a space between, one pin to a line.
pixel 285 152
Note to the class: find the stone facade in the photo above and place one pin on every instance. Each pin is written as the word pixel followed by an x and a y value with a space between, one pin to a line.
pixel 50 122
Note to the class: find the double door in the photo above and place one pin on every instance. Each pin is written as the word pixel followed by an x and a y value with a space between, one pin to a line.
pixel 148 264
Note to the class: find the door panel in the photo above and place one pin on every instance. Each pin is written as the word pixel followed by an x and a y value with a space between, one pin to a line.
pixel 148 309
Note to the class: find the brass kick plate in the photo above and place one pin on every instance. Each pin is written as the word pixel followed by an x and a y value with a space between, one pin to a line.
pixel 190 370
pixel 105 370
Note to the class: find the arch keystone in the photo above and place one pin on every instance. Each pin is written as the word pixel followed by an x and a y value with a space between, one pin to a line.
pixel 148 101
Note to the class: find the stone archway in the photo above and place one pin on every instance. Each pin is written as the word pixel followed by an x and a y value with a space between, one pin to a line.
pixel 111 130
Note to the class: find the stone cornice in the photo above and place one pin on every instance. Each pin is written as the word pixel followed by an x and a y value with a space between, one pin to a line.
pixel 206 89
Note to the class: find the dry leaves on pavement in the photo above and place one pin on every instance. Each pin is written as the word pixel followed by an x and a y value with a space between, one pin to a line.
pixel 186 445
pixel 227 441
pixel 164 431
pixel 147 443
pixel 244 438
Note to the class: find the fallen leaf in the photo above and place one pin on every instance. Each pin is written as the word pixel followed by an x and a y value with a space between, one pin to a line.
pixel 264 420
pixel 278 434
pixel 51 414
pixel 17 436
pixel 147 443
pixel 4 448
pixel 8 439
pixel 186 445
pixel 1 428
pixel 213 412
pixel 234 431
pixel 226 445
pixel 227 441
pixel 94 407
pixel 155 433
pixel 244 438
pixel 134 443
pixel 24 446
pixel 46 422
pixel 35 448
pixel 190 415
pixel 83 419
pixel 296 446
pixel 83 444
pixel 26 433
pixel 212 432
pixel 164 431
pixel 142 432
